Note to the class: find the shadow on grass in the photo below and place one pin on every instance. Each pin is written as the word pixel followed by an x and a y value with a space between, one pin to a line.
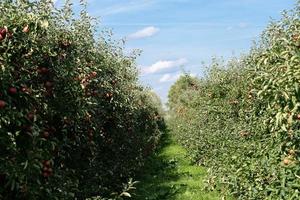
pixel 168 174
pixel 159 171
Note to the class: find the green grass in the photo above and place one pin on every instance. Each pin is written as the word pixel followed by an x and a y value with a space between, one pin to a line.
pixel 169 175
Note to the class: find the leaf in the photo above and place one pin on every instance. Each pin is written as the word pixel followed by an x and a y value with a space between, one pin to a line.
pixel 126 194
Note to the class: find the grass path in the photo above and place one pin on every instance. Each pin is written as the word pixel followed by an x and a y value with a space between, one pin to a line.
pixel 169 175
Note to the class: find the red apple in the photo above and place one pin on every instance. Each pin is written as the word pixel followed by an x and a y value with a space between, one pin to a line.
pixel 46 134
pixel 45 174
pixel 30 116
pixel 46 163
pixel 12 90
pixel 48 84
pixel 93 74
pixel 2 104
pixel 42 70
pixel 3 32
pixel 26 90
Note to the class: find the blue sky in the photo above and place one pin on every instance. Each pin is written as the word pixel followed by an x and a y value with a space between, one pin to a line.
pixel 181 34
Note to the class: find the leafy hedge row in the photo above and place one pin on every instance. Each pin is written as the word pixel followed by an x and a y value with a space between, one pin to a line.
pixel 74 122
pixel 242 119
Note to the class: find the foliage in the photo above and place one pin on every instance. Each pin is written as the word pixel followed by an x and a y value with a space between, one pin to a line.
pixel 74 122
pixel 243 119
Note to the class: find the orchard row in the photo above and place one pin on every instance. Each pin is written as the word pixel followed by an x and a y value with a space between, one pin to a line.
pixel 74 122
pixel 242 118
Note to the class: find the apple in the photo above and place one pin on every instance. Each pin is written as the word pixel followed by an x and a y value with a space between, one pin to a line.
pixel 48 84
pixel 26 90
pixel 2 104
pixel 30 116
pixel 42 70
pixel 12 90
pixel 93 74
pixel 3 32
pixel 286 161
pixel 26 29
pixel 46 163
pixel 45 174
pixel 46 134
pixel 49 170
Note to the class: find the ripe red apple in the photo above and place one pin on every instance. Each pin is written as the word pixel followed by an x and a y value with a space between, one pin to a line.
pixel 48 84
pixel 12 90
pixel 46 163
pixel 46 134
pixel 45 174
pixel 3 32
pixel 30 116
pixel 42 70
pixel 45 168
pixel 2 104
pixel 90 134
pixel 26 90
pixel 93 74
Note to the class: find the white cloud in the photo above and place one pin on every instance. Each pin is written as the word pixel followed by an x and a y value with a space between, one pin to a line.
pixel 163 64
pixel 169 78
pixel 145 32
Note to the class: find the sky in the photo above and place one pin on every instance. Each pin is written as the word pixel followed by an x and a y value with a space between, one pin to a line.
pixel 177 36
